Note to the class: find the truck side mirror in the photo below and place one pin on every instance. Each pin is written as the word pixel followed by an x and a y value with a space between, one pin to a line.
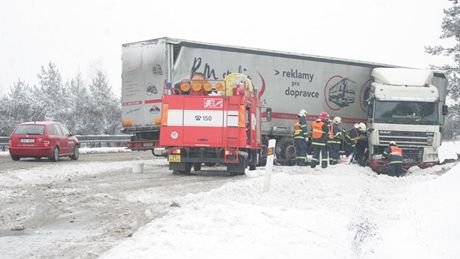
pixel 445 110
pixel 269 114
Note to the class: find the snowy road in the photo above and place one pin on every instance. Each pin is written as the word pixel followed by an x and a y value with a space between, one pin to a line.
pixel 97 207
pixel 82 208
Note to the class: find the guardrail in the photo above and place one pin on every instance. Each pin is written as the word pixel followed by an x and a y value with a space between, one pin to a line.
pixel 87 141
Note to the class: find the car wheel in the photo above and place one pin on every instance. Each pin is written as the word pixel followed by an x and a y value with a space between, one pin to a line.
pixel 76 153
pixel 55 156
pixel 15 158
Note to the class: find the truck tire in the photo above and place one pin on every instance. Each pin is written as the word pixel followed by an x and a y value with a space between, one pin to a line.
pixel 237 168
pixel 182 168
pixel 253 159
pixel 285 150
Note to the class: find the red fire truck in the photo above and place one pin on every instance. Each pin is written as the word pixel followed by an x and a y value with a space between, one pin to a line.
pixel 206 122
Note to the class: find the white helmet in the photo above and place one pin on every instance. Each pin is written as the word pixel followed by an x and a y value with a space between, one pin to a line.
pixel 356 125
pixel 392 143
pixel 303 112
pixel 362 126
pixel 337 120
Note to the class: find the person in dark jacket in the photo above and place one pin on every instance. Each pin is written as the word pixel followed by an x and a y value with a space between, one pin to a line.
pixel 319 133
pixel 393 154
pixel 301 138
pixel 334 141
pixel 361 155
pixel 350 139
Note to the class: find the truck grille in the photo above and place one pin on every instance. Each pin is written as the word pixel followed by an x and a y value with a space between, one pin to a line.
pixel 406 138
pixel 412 155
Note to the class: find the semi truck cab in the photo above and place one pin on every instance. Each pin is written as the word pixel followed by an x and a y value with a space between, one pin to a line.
pixel 404 106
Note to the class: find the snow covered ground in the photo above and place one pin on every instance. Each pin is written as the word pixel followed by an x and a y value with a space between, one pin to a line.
pixel 87 150
pixel 343 211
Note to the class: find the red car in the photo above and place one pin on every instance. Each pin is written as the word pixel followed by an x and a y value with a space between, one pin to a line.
pixel 43 139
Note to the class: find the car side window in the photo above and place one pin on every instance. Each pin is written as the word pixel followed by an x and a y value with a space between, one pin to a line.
pixel 57 130
pixel 53 131
pixel 64 130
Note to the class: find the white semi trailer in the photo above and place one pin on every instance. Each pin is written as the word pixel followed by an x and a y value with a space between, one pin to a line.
pixel 286 82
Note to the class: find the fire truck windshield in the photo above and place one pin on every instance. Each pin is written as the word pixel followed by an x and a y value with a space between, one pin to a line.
pixel 404 112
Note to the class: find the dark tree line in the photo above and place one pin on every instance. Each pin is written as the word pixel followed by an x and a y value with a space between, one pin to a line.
pixel 85 109
pixel 451 30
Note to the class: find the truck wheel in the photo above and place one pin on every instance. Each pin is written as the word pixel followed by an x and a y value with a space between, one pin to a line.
pixel 197 167
pixel 180 168
pixel 285 150
pixel 262 155
pixel 15 158
pixel 238 168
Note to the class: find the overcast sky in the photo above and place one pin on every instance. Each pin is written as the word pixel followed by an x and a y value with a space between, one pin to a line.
pixel 81 36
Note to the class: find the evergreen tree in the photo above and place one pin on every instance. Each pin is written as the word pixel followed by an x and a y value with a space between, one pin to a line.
pixel 105 107
pixel 19 106
pixel 51 93
pixel 451 30
pixel 79 106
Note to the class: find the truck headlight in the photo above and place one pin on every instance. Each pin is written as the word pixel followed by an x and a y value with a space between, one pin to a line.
pixel 429 141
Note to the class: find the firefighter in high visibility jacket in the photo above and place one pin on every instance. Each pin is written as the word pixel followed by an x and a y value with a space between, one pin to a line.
pixel 301 138
pixel 393 154
pixel 319 133
pixel 334 141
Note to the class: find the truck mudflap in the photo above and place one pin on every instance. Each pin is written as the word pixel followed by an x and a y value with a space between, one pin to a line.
pixel 380 166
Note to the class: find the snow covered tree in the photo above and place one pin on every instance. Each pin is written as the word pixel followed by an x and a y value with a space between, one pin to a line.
pixel 79 106
pixel 451 30
pixel 105 107
pixel 18 106
pixel 51 93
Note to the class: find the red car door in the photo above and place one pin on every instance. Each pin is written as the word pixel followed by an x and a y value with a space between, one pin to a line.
pixel 69 139
pixel 60 139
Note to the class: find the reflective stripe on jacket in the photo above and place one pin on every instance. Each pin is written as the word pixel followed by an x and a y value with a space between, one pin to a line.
pixel 334 134
pixel 300 128
pixel 393 154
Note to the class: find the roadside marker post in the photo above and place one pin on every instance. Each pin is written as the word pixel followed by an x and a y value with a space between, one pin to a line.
pixel 269 165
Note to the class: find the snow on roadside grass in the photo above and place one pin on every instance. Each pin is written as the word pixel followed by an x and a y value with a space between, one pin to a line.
pixel 343 211
pixel 60 171
pixel 449 150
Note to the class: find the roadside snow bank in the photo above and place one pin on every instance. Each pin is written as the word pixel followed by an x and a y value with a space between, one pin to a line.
pixel 449 150
pixel 430 227
pixel 62 171
pixel 339 212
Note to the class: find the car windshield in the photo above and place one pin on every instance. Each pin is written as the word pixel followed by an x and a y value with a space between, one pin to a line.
pixel 425 113
pixel 30 130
